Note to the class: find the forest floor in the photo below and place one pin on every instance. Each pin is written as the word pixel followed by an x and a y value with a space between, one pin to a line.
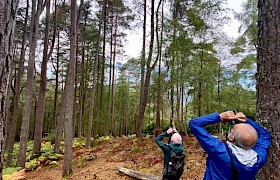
pixel 141 155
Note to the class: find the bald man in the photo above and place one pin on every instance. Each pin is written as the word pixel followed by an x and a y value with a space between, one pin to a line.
pixel 244 152
pixel 176 145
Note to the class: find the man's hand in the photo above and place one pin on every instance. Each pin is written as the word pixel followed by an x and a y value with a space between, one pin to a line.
pixel 241 117
pixel 227 116
pixel 170 130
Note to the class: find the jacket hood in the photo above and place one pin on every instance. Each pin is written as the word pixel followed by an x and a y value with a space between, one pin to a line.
pixel 243 159
pixel 177 148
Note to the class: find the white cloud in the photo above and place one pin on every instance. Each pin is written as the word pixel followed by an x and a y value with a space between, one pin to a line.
pixel 134 44
pixel 232 27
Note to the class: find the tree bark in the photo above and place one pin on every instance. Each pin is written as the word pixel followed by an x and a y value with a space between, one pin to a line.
pixel 83 89
pixel 8 11
pixel 36 12
pixel 96 58
pixel 143 62
pixel 56 69
pixel 43 85
pixel 70 88
pixel 11 134
pixel 159 49
pixel 111 128
pixel 268 78
pixel 103 62
pixel 112 110
pixel 59 127
pixel 137 174
pixel 149 67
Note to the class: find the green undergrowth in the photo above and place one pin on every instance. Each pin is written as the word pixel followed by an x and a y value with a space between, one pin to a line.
pixel 47 156
pixel 11 170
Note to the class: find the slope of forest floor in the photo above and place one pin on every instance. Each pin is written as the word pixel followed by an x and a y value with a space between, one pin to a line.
pixel 141 155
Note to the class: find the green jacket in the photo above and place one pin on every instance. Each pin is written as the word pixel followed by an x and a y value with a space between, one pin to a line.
pixel 166 148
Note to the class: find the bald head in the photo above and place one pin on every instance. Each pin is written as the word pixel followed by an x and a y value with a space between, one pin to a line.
pixel 176 138
pixel 245 136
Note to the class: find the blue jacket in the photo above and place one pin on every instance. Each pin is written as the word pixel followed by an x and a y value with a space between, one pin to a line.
pixel 218 163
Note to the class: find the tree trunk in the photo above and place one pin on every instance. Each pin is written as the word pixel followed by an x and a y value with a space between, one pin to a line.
pixel 59 124
pixel 110 74
pixel 112 111
pixel 11 134
pixel 159 49
pixel 268 78
pixel 8 11
pixel 43 85
pixel 102 64
pixel 143 62
pixel 56 69
pixel 59 128
pixel 96 58
pixel 143 100
pixel 36 12
pixel 82 89
pixel 137 174
pixel 70 88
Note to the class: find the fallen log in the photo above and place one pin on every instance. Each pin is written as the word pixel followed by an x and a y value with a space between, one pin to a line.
pixel 137 174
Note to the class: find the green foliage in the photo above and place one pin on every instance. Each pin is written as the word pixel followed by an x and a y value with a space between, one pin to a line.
pixel 55 156
pixel 194 19
pixel 247 42
pixel 78 142
pixel 31 165
pixel 247 62
pixel 149 128
pixel 239 44
pixel 54 163
pixel 136 149
pixel 237 50
pixel 189 61
pixel 102 140
pixel 11 170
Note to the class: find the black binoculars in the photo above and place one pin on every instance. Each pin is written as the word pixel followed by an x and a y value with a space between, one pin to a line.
pixel 235 121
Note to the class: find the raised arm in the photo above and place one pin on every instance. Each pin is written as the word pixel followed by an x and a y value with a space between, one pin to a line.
pixel 160 137
pixel 264 139
pixel 209 143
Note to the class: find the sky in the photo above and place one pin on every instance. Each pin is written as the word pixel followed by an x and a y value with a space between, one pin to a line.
pixel 232 28
pixel 134 45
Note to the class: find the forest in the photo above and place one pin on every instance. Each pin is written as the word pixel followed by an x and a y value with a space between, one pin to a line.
pixel 70 94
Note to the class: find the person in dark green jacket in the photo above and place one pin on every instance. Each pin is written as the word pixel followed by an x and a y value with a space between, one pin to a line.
pixel 176 145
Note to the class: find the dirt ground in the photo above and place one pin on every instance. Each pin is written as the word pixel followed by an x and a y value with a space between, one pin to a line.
pixel 141 155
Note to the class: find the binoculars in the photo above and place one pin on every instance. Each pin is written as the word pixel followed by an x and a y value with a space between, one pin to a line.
pixel 235 121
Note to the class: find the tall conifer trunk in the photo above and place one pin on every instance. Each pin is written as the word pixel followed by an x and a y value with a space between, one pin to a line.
pixel 149 67
pixel 94 81
pixel 11 134
pixel 43 86
pixel 70 95
pixel 268 81
pixel 8 11
pixel 37 8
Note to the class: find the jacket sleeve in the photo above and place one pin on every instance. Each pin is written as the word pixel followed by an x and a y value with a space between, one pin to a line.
pixel 263 142
pixel 161 144
pixel 209 143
